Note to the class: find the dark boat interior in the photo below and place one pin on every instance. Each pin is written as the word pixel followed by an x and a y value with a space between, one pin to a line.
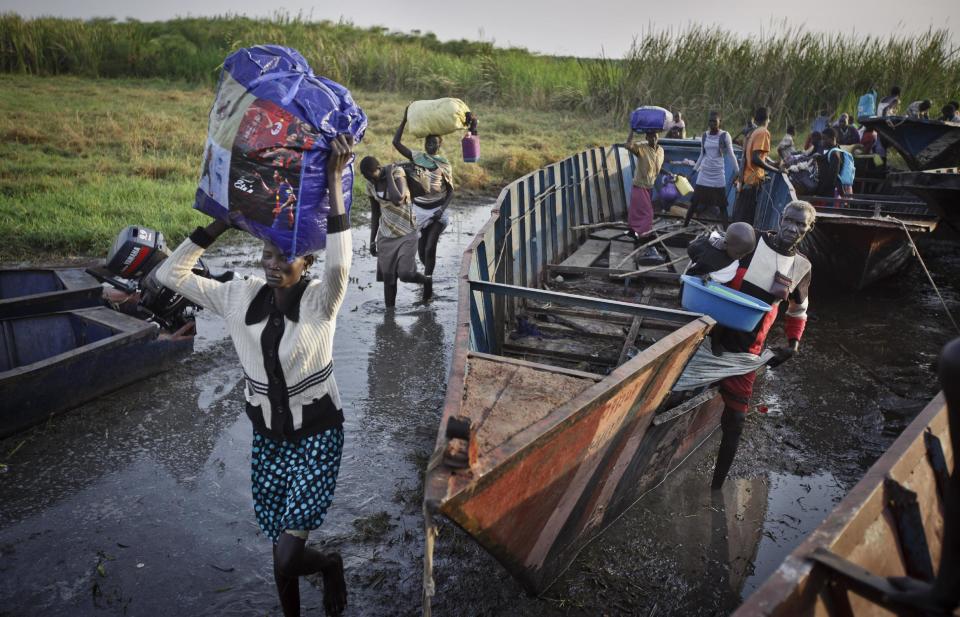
pixel 26 340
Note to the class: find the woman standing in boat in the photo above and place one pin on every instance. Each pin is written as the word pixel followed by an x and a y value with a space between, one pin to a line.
pixel 430 180
pixel 716 147
pixel 640 214
pixel 282 328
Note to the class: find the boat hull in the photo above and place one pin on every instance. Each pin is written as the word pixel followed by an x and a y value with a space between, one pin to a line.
pixel 850 249
pixel 924 144
pixel 940 189
pixel 556 454
pixel 537 500
pixel 32 392
pixel 32 291
pixel 862 529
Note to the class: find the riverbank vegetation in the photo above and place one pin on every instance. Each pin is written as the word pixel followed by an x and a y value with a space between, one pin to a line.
pixel 102 122
pixel 695 69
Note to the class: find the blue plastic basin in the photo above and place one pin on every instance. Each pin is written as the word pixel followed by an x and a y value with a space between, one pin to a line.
pixel 729 307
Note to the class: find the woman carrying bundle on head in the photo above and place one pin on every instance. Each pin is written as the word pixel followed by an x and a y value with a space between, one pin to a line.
pixel 430 182
pixel 716 148
pixel 282 327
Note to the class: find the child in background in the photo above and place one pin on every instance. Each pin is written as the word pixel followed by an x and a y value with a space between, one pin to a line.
pixel 716 257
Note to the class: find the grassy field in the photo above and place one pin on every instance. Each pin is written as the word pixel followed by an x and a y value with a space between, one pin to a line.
pixel 81 158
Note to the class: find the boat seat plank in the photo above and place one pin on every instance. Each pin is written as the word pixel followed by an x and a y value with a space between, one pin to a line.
pixel 589 252
pixel 584 325
pixel 501 399
pixel 618 252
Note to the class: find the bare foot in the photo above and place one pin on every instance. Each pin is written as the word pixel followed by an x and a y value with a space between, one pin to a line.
pixel 334 585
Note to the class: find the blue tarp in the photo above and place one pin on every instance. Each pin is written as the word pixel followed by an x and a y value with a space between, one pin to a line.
pixel 264 164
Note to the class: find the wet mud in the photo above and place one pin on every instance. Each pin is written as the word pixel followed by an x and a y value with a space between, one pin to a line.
pixel 139 503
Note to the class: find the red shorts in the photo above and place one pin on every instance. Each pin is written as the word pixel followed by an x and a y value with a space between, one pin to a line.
pixel 736 391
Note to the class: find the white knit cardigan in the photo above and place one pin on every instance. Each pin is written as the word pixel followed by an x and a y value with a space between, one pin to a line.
pixel 306 349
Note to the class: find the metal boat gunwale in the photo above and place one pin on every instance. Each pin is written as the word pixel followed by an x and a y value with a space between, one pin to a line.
pixel 797 584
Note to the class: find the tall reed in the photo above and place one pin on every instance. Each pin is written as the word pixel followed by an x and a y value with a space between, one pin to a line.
pixel 696 69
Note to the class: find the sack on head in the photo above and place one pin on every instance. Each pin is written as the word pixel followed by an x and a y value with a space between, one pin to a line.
pixel 436 117
pixel 650 118
pixel 264 164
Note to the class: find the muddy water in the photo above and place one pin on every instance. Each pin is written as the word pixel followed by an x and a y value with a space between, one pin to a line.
pixel 139 503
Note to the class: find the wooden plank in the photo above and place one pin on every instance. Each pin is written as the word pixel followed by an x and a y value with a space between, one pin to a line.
pixel 650 268
pixel 685 407
pixel 501 399
pixel 664 277
pixel 588 253
pixel 608 233
pixel 619 252
pixel 540 367
pixel 570 328
pixel 604 316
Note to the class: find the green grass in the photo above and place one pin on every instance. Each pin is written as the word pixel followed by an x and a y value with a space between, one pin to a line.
pixel 696 69
pixel 82 158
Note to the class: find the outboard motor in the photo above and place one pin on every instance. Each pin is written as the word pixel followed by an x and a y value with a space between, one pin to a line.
pixel 131 268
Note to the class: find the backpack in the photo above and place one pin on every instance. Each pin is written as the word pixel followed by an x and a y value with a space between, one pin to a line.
pixel 722 145
pixel 867 105
pixel 847 169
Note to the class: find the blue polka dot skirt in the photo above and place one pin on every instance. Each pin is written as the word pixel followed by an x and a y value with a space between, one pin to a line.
pixel 293 481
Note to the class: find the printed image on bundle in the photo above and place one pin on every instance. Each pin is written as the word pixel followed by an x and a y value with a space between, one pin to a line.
pixel 267 154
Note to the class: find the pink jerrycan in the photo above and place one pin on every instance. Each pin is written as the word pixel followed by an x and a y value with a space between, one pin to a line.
pixel 471 142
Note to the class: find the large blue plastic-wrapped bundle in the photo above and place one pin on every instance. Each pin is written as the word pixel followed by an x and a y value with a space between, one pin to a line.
pixel 264 165
pixel 650 118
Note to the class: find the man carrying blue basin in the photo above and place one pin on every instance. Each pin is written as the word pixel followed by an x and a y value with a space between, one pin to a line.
pixel 774 272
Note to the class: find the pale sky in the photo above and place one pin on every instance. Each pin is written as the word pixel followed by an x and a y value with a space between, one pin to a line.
pixel 562 27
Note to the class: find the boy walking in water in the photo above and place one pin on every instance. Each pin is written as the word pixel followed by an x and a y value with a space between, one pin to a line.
pixel 640 215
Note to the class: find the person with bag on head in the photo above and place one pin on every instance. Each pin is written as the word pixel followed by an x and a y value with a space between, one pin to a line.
pixel 716 147
pixel 393 228
pixel 430 181
pixel 650 157
pixel 282 327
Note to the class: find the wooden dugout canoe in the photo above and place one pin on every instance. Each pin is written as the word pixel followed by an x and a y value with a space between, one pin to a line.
pixel 563 388
pixel 867 530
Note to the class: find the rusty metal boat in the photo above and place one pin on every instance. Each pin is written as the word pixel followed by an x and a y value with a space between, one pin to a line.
pixel 555 421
